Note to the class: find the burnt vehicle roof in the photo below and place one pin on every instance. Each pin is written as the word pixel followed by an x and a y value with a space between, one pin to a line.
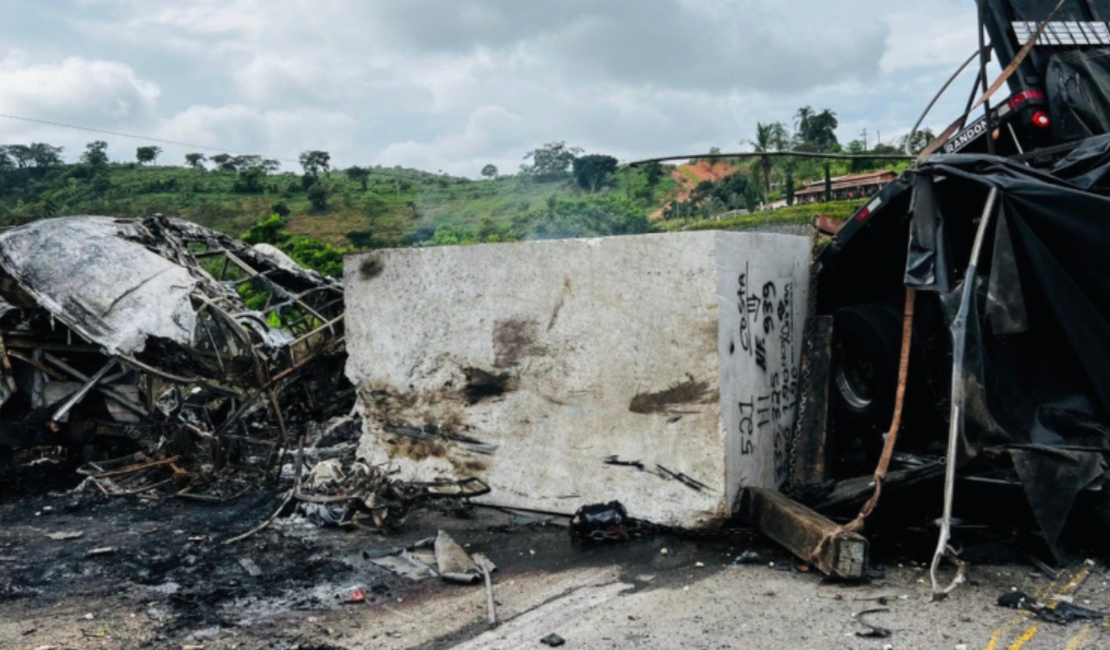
pixel 119 282
pixel 92 274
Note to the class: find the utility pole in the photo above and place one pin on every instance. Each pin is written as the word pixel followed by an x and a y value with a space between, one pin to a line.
pixel 865 147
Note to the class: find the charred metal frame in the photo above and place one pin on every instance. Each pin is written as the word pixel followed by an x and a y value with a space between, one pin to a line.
pixel 266 356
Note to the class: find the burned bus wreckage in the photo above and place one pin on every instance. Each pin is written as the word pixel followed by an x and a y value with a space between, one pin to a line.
pixel 176 349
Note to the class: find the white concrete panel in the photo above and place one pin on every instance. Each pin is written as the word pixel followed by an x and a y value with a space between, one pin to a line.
pixel 764 292
pixel 571 372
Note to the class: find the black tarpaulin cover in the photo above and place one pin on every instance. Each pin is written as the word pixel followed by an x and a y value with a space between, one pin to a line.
pixel 1037 356
pixel 1078 86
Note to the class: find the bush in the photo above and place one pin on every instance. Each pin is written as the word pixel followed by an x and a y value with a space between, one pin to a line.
pixel 269 231
pixel 306 251
pixel 316 255
pixel 373 205
pixel 362 239
pixel 318 197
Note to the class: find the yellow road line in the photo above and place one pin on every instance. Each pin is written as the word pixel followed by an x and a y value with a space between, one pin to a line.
pixel 1079 639
pixel 1074 583
pixel 1051 586
pixel 1005 627
pixel 1024 638
pixel 1085 631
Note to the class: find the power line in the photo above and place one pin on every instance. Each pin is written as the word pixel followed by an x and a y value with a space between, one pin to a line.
pixel 136 137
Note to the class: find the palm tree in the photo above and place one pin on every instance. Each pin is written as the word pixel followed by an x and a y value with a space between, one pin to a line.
pixel 765 143
pixel 779 137
pixel 801 121
pixel 823 129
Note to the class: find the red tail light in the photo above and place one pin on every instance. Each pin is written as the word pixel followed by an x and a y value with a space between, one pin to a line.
pixel 1041 120
pixel 869 208
pixel 1022 97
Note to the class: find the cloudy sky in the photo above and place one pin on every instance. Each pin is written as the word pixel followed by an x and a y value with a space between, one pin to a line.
pixel 454 84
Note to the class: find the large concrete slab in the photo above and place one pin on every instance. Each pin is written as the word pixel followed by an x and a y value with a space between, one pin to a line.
pixel 658 370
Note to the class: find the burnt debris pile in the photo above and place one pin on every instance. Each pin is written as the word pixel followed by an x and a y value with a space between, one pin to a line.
pixel 334 488
pixel 169 358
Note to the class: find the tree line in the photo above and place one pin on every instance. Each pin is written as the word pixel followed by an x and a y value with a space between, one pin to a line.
pixel 25 173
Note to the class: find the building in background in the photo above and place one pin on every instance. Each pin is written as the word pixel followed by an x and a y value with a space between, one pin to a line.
pixel 847 187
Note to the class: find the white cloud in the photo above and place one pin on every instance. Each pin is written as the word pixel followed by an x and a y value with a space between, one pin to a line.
pixel 455 84
pixel 275 133
pixel 940 33
pixel 492 134
pixel 91 91
pixel 110 96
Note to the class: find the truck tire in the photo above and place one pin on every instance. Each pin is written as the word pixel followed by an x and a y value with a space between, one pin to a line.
pixel 866 349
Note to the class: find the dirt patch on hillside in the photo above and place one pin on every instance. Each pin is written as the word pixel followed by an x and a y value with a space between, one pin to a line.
pixel 688 177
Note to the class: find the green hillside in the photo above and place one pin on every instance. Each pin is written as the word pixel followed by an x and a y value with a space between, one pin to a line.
pixel 322 212
pixel 395 207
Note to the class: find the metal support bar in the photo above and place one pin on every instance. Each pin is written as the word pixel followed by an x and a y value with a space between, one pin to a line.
pixel 9 376
pixel 984 57
pixel 76 398
pixel 37 365
pixel 110 392
pixel 800 530
pixel 955 425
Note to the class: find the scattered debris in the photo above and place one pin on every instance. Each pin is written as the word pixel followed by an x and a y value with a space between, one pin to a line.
pixel 250 567
pixel 553 640
pixel 873 631
pixel 487 567
pixel 1060 612
pixel 439 556
pixel 107 550
pixel 352 596
pixel 453 562
pixel 748 557
pixel 385 551
pixel 403 563
pixel 61 536
pixel 606 522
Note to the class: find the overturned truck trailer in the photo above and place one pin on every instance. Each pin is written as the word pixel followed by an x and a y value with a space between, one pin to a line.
pixel 161 335
pixel 1007 380
pixel 658 370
